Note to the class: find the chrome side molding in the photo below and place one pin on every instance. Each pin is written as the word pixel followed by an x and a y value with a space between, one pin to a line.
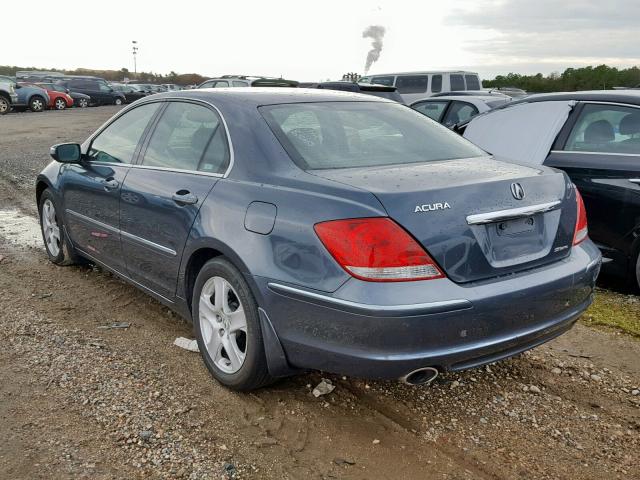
pixel 512 213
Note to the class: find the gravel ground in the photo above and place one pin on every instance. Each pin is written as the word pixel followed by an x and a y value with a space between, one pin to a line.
pixel 81 401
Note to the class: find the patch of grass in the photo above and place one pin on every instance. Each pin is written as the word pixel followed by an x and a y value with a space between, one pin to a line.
pixel 614 310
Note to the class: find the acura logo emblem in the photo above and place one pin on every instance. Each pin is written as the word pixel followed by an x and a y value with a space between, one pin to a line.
pixel 517 191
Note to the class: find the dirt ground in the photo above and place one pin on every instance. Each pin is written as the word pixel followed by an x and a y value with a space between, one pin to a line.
pixel 78 400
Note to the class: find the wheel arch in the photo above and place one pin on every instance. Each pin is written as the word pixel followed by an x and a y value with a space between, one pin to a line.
pixel 199 254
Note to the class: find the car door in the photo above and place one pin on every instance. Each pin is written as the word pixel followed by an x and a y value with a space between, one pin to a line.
pixel 91 189
pixel 178 166
pixel 599 148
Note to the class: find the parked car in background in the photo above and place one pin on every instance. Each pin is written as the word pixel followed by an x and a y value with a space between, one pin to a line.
pixel 453 109
pixel 595 138
pixel 246 81
pixel 171 87
pixel 8 95
pixel 309 229
pixel 57 100
pixel 414 86
pixel 79 99
pixel 382 91
pixel 34 98
pixel 131 92
pixel 97 88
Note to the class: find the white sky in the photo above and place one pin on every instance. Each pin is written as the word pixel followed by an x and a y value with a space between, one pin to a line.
pixel 310 41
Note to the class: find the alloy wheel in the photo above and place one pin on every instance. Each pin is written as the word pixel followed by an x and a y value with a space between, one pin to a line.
pixel 60 104
pixel 37 105
pixel 4 106
pixel 50 228
pixel 83 103
pixel 224 324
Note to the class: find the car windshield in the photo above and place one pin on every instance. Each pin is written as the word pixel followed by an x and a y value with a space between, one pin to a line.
pixel 362 134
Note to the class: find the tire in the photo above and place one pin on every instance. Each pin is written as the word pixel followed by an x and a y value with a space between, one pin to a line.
pixel 83 103
pixel 637 276
pixel 5 105
pixel 58 249
pixel 37 104
pixel 60 104
pixel 244 366
pixel 118 101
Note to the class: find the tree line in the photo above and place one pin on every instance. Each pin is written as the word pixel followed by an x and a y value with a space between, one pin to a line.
pixel 572 79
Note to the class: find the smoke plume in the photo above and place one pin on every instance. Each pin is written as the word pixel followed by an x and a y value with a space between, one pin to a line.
pixel 376 34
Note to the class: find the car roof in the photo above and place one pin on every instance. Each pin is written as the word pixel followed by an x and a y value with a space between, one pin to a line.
pixel 425 72
pixel 621 96
pixel 480 98
pixel 257 96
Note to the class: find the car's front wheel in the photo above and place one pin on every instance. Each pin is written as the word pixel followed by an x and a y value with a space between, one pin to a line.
pixel 60 104
pixel 55 242
pixel 37 104
pixel 227 327
pixel 118 101
pixel 83 103
pixel 5 105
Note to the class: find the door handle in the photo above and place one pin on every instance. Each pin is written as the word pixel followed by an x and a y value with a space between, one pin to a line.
pixel 635 180
pixel 110 183
pixel 184 197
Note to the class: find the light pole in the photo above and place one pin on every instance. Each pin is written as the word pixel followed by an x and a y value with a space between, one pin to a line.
pixel 134 43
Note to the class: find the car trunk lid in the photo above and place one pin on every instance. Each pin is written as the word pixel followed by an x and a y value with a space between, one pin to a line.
pixel 466 215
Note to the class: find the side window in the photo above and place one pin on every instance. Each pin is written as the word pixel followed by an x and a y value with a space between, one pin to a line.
pixel 457 82
pixel 607 129
pixel 104 88
pixel 207 85
pixel 117 143
pixel 388 81
pixel 473 83
pixel 188 137
pixel 237 83
pixel 412 83
pixel 221 84
pixel 459 112
pixel 432 110
pixel 436 83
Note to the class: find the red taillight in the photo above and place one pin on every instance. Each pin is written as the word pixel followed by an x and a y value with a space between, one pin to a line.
pixel 377 250
pixel 581 230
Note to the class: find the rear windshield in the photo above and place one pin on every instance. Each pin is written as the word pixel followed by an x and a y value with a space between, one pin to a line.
pixel 362 134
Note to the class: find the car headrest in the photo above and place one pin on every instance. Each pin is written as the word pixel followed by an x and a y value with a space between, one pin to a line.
pixel 600 131
pixel 630 124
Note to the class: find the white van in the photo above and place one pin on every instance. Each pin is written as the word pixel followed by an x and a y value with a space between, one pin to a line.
pixel 415 86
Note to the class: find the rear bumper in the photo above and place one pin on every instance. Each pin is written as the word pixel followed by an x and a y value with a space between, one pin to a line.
pixel 385 330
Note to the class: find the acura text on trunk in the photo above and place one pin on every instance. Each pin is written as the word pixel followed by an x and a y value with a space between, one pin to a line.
pixel 311 229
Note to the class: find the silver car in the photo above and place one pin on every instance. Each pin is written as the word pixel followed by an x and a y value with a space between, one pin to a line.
pixel 8 95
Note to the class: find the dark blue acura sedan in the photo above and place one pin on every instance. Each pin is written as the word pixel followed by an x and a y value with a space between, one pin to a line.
pixel 310 229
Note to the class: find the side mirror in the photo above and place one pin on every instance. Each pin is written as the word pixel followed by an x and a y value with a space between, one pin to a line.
pixel 66 153
pixel 67 91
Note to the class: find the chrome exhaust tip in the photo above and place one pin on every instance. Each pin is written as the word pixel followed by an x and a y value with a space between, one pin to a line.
pixel 421 376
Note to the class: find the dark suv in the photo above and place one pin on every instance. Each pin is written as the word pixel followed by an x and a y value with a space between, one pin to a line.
pixel 97 88
pixel 383 91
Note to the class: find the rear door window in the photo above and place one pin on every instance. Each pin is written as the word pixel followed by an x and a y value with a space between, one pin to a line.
pixel 436 83
pixel 459 112
pixel 432 110
pixel 457 82
pixel 236 83
pixel 388 81
pixel 188 137
pixel 606 129
pixel 412 83
pixel 473 83
pixel 118 142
